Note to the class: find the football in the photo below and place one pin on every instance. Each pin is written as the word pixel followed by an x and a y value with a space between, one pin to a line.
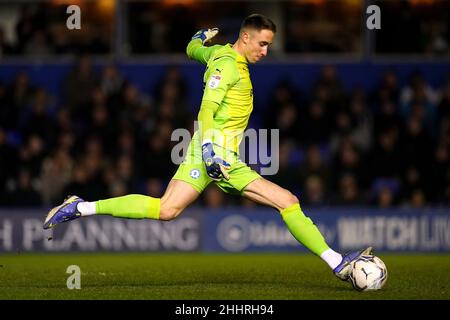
pixel 368 273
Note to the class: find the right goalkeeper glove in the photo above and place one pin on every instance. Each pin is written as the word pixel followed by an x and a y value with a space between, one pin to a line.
pixel 205 34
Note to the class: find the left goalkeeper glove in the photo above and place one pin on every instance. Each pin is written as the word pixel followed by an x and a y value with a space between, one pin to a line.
pixel 216 168
pixel 206 34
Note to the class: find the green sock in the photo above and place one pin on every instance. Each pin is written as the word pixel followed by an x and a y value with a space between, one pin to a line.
pixel 303 229
pixel 133 206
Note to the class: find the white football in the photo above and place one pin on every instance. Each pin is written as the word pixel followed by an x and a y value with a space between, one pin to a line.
pixel 368 273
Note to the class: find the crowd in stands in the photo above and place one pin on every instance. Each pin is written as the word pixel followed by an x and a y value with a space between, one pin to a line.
pixel 389 147
pixel 104 137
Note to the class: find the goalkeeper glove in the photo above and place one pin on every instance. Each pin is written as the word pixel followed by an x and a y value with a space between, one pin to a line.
pixel 216 168
pixel 205 34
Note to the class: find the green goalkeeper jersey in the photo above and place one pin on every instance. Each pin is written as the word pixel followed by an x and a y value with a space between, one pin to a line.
pixel 228 89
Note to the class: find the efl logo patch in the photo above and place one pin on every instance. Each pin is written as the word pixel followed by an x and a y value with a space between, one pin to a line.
pixel 195 173
pixel 214 81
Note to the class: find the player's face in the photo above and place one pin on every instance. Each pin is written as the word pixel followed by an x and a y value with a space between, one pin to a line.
pixel 257 44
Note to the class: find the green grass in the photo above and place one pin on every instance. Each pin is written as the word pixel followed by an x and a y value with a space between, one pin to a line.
pixel 212 276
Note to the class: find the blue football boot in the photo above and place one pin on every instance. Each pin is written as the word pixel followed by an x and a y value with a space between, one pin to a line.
pixel 65 212
pixel 343 270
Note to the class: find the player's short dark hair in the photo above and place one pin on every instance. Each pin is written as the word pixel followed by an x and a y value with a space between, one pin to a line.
pixel 258 22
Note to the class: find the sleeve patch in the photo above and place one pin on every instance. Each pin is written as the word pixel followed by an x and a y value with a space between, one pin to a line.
pixel 214 81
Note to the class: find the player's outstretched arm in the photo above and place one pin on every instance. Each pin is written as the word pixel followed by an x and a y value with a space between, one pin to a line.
pixel 196 48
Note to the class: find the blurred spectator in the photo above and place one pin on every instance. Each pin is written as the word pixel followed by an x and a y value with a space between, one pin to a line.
pixel 387 118
pixel 67 140
pixel 384 198
pixel 8 163
pixel 214 197
pixel 438 36
pixel 63 121
pixel 99 126
pixel 55 175
pixel 287 122
pixel 285 175
pixel 329 89
pixel 419 92
pixel 79 183
pixel 445 138
pixel 125 173
pixel 349 160
pixel 5 47
pixel 111 81
pixel 132 106
pixel 418 199
pixel 342 130
pixel 78 84
pixel 154 187
pixel 5 109
pixel 386 158
pixel 22 192
pixel 173 77
pixel 93 160
pixel 314 164
pixel 385 191
pixel 119 177
pixel 416 144
pixel 314 192
pixel 87 176
pixel 37 120
pixel 411 181
pixel 349 193
pixel 362 120
pixel 115 187
pixel 283 94
pixel 24 26
pixel 443 113
pixel 316 125
pixel 170 99
pixel 438 176
pixel 61 44
pixel 388 91
pixel 38 45
pixel 126 144
pixel 19 96
pixel 156 159
pixel 31 155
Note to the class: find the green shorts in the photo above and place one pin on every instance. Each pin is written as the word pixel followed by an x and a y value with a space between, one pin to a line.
pixel 193 170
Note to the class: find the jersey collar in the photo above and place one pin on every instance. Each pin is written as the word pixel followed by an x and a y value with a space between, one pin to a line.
pixel 239 58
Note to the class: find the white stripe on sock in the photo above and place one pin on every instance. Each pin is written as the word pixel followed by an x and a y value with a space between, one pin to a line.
pixel 86 208
pixel 331 257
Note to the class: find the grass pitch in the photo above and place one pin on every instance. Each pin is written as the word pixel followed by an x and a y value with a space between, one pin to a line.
pixel 213 276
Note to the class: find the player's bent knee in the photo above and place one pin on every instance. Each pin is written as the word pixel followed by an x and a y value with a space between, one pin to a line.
pixel 167 214
pixel 290 200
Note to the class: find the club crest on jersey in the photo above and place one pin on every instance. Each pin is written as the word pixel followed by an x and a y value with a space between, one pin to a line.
pixel 195 173
pixel 214 81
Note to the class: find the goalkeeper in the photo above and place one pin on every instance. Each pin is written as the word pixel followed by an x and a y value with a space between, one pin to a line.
pixel 212 155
